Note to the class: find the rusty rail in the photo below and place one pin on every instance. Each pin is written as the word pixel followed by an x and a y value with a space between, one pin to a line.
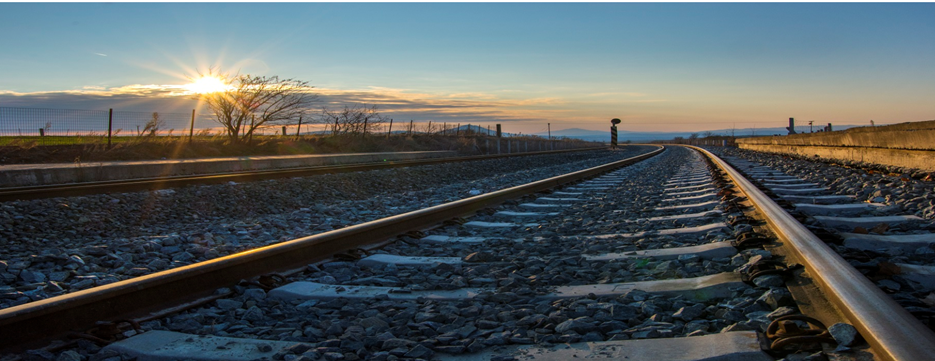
pixel 893 332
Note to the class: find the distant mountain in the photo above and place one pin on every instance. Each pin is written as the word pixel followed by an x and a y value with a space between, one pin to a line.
pixel 624 135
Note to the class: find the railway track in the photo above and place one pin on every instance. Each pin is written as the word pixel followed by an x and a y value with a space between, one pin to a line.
pixel 628 258
pixel 153 184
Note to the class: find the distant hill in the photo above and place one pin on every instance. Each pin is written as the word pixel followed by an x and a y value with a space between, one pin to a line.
pixel 623 135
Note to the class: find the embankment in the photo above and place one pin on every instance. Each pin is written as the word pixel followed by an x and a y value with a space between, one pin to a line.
pixel 905 145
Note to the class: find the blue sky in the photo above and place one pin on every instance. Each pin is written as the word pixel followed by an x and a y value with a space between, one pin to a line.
pixel 659 67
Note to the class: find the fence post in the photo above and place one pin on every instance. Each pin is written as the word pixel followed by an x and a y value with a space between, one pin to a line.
pixel 390 129
pixel 110 127
pixel 298 131
pixel 191 130
pixel 284 130
pixel 458 130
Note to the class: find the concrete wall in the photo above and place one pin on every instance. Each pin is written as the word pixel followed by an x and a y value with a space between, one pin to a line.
pixel 907 145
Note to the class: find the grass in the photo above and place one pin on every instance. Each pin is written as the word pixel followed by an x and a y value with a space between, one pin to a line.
pixel 21 150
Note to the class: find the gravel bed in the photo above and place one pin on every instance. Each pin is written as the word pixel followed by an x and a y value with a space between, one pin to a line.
pixel 902 191
pixel 59 245
pixel 528 261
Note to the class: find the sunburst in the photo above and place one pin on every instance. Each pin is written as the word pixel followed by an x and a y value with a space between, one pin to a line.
pixel 207 84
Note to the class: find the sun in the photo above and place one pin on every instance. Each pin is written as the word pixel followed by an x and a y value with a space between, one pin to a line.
pixel 207 84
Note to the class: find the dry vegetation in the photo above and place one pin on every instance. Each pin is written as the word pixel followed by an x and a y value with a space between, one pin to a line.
pixel 148 148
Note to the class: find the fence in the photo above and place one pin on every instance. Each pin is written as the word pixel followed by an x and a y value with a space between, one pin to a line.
pixel 21 126
pixel 71 126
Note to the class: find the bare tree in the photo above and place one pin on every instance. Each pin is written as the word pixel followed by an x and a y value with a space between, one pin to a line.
pixel 352 119
pixel 256 101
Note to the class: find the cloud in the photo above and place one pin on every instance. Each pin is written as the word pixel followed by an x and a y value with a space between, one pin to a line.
pixel 100 54
pixel 400 104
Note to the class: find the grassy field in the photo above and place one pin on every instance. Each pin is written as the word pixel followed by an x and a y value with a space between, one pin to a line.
pixel 20 150
pixel 81 140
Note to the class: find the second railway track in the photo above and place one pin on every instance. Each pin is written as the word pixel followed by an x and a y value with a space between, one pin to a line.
pixel 637 254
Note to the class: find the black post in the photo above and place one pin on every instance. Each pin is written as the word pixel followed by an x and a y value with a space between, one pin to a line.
pixel 191 129
pixel 298 131
pixel 41 132
pixel 284 130
pixel 390 129
pixel 110 127
pixel 499 134
pixel 550 136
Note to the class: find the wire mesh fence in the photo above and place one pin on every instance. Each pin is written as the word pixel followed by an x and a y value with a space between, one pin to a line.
pixel 72 126
pixel 42 126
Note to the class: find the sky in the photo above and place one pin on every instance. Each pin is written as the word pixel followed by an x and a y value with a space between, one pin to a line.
pixel 656 66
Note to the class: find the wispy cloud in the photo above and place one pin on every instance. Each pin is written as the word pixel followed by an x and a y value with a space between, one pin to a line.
pixel 100 54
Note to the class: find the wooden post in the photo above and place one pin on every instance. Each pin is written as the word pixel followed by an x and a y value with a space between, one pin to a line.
pixel 191 129
pixel 458 130
pixel 110 127
pixel 298 131
pixel 410 127
pixel 390 129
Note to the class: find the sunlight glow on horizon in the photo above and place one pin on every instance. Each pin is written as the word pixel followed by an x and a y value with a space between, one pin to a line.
pixel 208 84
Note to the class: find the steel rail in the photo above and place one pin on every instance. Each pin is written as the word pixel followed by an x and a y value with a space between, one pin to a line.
pixel 144 184
pixel 139 296
pixel 892 331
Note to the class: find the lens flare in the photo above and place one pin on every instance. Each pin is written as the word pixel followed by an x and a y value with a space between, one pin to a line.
pixel 207 84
